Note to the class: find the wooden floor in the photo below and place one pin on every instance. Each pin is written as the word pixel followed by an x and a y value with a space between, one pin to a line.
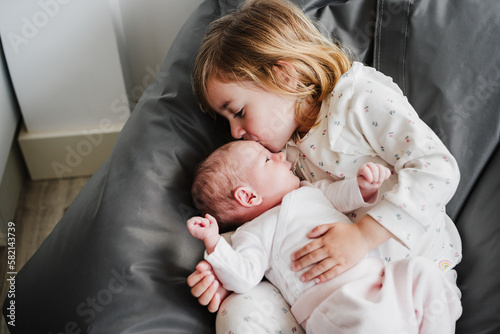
pixel 41 205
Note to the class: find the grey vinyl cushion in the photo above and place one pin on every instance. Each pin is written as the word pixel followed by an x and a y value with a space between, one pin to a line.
pixel 117 261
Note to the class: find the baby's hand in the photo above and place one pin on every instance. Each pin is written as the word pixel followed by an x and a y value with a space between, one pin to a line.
pixel 370 177
pixel 203 228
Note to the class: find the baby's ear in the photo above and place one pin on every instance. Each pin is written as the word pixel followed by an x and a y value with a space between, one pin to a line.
pixel 247 197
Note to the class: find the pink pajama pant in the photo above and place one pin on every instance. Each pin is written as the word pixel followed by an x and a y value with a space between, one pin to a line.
pixel 407 296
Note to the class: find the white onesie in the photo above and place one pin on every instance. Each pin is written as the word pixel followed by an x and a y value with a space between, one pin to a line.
pixel 355 300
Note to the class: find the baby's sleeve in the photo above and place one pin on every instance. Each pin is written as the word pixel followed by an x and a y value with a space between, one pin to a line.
pixel 241 267
pixel 344 195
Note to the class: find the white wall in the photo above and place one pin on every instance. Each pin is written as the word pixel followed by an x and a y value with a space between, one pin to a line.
pixel 145 30
pixel 64 62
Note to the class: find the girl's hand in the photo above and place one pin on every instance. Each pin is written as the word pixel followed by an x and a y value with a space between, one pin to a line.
pixel 205 229
pixel 370 177
pixel 337 248
pixel 205 286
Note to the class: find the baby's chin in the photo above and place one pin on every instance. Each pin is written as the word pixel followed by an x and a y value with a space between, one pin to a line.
pixel 296 183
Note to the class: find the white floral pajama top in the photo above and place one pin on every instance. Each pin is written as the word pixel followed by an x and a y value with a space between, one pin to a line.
pixel 367 118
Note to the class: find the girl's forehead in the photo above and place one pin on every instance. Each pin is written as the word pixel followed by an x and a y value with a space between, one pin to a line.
pixel 232 80
pixel 221 94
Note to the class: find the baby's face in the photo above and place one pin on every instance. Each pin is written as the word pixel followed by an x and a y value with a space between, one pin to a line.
pixel 270 174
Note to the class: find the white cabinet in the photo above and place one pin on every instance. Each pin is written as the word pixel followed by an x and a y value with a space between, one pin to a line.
pixel 64 64
pixel 77 66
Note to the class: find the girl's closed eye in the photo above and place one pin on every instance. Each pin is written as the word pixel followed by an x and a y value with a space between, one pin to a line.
pixel 238 114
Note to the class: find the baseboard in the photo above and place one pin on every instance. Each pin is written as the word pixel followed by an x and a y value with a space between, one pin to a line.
pixel 58 155
pixel 11 186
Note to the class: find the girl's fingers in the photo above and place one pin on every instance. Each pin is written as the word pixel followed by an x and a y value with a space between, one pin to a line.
pixel 319 231
pixel 323 271
pixel 314 245
pixel 195 278
pixel 214 304
pixel 203 266
pixel 310 256
pixel 317 270
pixel 216 301
pixel 324 276
pixel 206 287
pixel 202 286
pixel 299 254
pixel 209 293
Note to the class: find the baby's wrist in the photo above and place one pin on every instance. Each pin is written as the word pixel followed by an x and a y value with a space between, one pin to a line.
pixel 211 241
pixel 368 196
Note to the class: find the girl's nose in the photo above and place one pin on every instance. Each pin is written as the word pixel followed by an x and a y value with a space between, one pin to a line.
pixel 237 131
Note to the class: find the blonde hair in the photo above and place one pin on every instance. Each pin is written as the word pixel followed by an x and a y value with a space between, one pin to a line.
pixel 249 45
pixel 213 187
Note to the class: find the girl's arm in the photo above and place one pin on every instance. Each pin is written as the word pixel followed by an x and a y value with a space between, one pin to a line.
pixel 427 173
pixel 385 125
pixel 358 238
